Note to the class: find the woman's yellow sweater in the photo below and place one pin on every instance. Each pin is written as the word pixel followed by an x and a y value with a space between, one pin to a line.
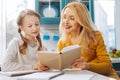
pixel 97 58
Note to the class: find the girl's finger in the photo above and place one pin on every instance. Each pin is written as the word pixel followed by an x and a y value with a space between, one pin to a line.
pixel 44 68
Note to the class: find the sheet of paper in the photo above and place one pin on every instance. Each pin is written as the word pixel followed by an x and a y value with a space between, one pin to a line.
pixel 69 48
pixel 40 76
pixel 17 73
pixel 74 77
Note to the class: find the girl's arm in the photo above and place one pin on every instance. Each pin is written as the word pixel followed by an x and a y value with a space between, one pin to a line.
pixel 10 60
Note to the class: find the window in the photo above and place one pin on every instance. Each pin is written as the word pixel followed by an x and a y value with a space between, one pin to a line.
pixel 8 15
pixel 104 20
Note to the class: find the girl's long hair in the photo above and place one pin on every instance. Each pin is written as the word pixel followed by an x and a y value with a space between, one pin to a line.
pixel 20 18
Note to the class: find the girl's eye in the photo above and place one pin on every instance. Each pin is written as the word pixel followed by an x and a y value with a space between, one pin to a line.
pixel 30 26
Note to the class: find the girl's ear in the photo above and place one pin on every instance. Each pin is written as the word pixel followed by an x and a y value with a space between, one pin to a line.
pixel 20 27
pixel 22 31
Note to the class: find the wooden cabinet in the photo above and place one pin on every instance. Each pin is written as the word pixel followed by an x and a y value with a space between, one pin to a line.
pixel 50 9
pixel 90 5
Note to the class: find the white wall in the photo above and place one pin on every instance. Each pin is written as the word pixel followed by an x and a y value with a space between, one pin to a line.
pixel 50 30
pixel 101 20
pixel 117 23
pixel 2 28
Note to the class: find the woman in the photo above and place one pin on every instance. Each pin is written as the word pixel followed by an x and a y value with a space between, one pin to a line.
pixel 76 27
pixel 22 51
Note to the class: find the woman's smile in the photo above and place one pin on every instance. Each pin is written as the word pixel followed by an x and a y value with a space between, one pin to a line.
pixel 67 27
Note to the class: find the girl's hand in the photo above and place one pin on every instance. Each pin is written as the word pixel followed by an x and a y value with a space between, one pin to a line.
pixel 41 67
pixel 80 63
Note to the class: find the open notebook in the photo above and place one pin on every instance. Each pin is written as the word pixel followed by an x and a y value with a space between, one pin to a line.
pixel 45 75
pixel 18 73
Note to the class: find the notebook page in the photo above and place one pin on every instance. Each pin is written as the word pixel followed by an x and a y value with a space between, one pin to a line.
pixel 40 76
pixel 74 77
pixel 69 48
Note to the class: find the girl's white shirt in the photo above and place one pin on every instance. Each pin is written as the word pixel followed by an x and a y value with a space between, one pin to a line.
pixel 13 60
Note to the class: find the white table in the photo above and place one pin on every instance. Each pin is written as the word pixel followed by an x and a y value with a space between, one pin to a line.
pixel 71 75
pixel 83 75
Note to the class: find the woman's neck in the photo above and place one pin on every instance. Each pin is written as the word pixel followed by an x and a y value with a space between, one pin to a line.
pixel 75 38
pixel 75 34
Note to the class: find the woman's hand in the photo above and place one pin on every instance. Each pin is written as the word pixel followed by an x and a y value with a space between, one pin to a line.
pixel 40 67
pixel 80 63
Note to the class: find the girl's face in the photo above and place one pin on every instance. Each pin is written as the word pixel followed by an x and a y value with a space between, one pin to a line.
pixel 31 26
pixel 69 22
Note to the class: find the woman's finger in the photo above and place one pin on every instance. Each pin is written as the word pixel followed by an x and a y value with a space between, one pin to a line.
pixel 79 59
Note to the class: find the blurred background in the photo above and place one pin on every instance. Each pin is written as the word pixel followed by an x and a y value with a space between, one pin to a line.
pixel 105 15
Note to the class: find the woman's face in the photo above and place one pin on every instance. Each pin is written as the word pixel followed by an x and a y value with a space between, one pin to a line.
pixel 31 26
pixel 69 22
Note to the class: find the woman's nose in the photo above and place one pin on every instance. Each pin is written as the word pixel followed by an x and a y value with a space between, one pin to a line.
pixel 67 21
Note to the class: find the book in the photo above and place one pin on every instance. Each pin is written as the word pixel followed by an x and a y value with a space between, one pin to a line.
pixel 60 60
pixel 18 73
pixel 45 75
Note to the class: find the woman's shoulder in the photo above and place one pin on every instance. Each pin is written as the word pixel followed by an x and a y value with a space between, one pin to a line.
pixel 98 33
pixel 61 42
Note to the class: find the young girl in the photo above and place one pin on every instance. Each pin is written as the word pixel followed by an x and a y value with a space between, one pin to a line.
pixel 22 52
pixel 76 27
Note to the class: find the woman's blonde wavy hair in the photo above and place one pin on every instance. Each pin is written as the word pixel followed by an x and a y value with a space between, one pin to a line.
pixel 20 23
pixel 82 17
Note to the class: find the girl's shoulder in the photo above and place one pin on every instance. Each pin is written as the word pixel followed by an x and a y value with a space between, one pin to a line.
pixel 16 40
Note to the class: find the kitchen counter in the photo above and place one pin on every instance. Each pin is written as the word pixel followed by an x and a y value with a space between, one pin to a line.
pixel 116 64
pixel 115 60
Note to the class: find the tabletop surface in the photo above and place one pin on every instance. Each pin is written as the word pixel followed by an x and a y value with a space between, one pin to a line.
pixel 68 75
pixel 115 60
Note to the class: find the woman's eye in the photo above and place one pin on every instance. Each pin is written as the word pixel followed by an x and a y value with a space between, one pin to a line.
pixel 64 17
pixel 72 18
pixel 37 24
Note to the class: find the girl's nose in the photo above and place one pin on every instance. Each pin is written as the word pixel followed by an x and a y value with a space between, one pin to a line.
pixel 34 27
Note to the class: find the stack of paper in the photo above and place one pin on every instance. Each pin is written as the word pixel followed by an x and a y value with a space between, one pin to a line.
pixel 40 76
